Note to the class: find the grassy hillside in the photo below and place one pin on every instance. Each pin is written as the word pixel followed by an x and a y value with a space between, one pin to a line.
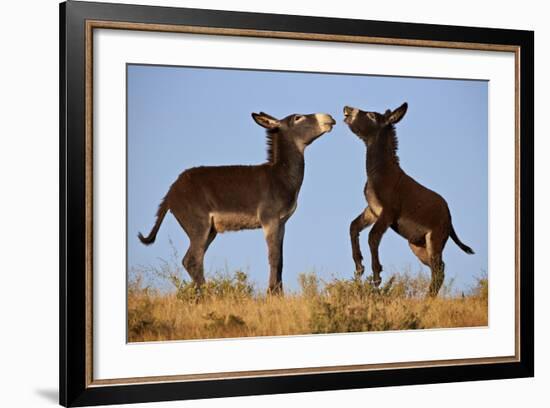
pixel 230 306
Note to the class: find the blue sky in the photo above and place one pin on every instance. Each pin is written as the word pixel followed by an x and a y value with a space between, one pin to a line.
pixel 180 117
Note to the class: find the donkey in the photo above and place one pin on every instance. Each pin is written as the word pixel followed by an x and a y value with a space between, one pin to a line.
pixel 211 200
pixel 395 200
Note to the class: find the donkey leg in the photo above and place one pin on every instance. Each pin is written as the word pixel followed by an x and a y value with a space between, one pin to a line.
pixel 435 251
pixel 274 232
pixel 438 275
pixel 361 222
pixel 193 261
pixel 375 235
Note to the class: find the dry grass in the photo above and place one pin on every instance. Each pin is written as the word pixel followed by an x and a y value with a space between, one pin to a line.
pixel 229 306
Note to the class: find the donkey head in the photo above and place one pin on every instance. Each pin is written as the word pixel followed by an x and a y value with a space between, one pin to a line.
pixel 299 129
pixel 368 125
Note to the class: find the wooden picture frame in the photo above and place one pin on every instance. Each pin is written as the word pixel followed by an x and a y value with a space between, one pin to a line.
pixel 78 20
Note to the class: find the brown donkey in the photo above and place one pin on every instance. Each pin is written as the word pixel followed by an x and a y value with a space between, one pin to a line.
pixel 397 201
pixel 208 200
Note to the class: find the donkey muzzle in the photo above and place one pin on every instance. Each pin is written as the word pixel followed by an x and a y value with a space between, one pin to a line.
pixel 326 122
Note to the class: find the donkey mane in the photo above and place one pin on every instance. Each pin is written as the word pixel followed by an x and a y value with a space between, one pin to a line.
pixel 281 149
pixel 272 145
pixel 272 142
pixel 383 152
pixel 392 143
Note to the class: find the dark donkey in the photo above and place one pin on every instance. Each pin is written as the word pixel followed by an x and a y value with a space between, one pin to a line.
pixel 395 200
pixel 208 200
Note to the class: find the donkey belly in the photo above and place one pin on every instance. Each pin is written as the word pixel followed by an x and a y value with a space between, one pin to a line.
pixel 233 221
pixel 410 230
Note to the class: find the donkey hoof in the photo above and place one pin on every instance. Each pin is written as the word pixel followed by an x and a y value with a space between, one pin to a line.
pixel 359 271
pixel 376 282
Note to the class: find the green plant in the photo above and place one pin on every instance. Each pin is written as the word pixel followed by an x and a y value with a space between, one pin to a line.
pixel 357 305
pixel 234 287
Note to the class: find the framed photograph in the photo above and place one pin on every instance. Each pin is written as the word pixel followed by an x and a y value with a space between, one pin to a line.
pixel 390 163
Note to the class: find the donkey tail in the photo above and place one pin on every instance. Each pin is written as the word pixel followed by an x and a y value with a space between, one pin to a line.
pixel 161 212
pixel 457 241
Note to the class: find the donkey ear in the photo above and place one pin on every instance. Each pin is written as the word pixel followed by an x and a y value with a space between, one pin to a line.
pixel 396 115
pixel 267 115
pixel 266 121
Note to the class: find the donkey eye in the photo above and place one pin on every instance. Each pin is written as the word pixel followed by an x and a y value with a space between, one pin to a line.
pixel 371 116
pixel 298 118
